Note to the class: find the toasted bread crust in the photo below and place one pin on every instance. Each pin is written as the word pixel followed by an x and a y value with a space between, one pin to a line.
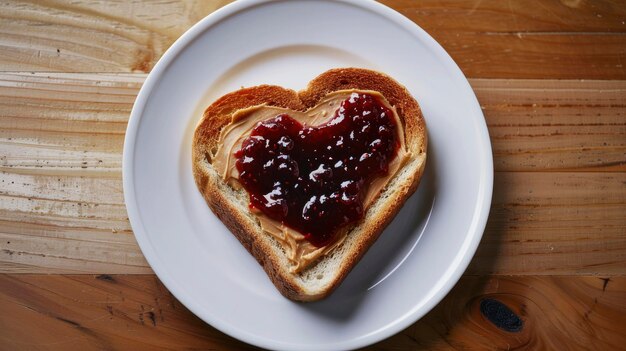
pixel 234 213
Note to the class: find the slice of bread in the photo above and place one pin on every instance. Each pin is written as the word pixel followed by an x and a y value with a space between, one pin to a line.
pixel 231 205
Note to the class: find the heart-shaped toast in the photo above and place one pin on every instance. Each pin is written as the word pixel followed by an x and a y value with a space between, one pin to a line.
pixel 308 180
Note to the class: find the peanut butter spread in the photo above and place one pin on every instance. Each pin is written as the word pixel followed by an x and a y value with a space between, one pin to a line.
pixel 298 250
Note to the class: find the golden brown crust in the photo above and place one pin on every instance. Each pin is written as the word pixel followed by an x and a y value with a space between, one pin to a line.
pixel 220 112
pixel 242 224
pixel 354 78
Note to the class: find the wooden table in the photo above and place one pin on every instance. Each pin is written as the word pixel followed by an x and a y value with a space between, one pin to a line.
pixel 550 77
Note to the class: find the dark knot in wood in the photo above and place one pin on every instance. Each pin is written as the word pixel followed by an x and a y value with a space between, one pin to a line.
pixel 500 315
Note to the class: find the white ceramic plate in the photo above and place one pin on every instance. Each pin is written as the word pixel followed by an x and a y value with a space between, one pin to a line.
pixel 417 259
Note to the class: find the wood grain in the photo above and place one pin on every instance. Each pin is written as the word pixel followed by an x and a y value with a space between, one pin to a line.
pixel 567 39
pixel 93 36
pixel 540 223
pixel 99 313
pixel 61 196
pixel 558 313
pixel 555 223
pixel 548 125
pixel 136 312
pixel 61 200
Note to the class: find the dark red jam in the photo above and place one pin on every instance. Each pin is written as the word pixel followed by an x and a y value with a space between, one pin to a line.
pixel 314 179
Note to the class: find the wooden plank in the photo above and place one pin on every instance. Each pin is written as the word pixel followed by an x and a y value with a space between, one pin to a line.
pixel 567 39
pixel 93 36
pixel 549 125
pixel 557 313
pixel 540 223
pixel 491 16
pixel 99 313
pixel 555 223
pixel 488 38
pixel 543 55
pixel 61 196
pixel 62 209
pixel 115 311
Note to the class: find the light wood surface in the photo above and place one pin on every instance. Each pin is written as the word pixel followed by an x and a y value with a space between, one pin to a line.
pixel 549 76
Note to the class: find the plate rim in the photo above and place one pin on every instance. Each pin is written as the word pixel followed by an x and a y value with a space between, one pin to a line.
pixel 475 229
